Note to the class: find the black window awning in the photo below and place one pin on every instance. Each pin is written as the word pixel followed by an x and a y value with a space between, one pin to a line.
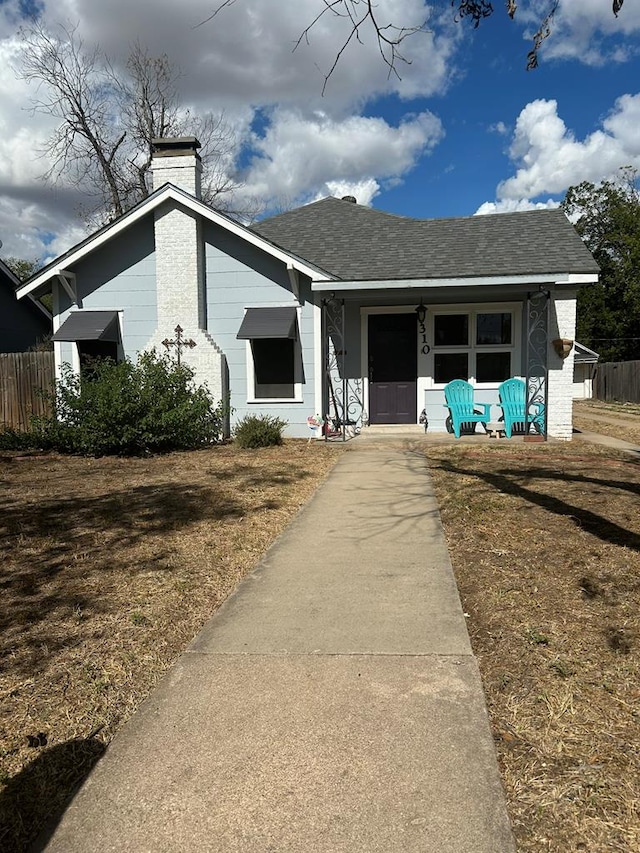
pixel 269 323
pixel 89 326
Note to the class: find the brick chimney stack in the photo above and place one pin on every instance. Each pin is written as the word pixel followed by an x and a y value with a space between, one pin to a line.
pixel 176 161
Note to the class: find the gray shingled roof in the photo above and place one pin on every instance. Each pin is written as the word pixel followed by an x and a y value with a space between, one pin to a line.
pixel 357 243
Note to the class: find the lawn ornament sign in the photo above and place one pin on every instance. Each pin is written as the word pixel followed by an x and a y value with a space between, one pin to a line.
pixel 315 424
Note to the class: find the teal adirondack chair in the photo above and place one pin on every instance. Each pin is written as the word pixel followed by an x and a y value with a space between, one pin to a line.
pixel 459 397
pixel 513 396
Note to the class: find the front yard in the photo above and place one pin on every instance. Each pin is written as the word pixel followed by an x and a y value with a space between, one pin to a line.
pixel 545 543
pixel 108 568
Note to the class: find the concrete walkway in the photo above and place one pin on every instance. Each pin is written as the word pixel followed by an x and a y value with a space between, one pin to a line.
pixel 609 441
pixel 332 704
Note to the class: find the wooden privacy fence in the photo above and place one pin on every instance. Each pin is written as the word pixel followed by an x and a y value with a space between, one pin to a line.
pixel 617 380
pixel 23 377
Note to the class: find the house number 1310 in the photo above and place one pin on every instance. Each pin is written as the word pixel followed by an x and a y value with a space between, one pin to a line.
pixel 425 349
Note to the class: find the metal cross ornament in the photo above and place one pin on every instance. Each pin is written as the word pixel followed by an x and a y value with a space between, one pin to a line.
pixel 178 343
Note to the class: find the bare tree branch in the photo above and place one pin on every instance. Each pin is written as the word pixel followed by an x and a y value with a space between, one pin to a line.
pixel 215 12
pixel 102 144
pixel 362 14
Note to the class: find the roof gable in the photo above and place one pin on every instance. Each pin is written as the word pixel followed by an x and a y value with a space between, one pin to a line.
pixel 358 243
pixel 168 192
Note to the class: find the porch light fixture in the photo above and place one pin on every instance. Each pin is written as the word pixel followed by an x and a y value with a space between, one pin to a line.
pixel 421 312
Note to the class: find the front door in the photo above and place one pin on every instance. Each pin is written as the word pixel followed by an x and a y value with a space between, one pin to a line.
pixel 393 368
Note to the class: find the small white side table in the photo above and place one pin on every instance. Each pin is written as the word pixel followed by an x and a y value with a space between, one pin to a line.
pixel 496 429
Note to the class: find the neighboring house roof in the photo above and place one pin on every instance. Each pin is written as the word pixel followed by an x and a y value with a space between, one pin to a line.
pixel 40 281
pixel 22 324
pixel 358 243
pixel 584 355
pixel 10 280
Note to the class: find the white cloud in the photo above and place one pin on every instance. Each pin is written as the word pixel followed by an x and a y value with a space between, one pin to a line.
pixel 306 155
pixel 241 62
pixel 245 54
pixel 38 224
pixel 364 192
pixel 512 205
pixel 499 127
pixel 551 159
pixel 35 220
pixel 586 30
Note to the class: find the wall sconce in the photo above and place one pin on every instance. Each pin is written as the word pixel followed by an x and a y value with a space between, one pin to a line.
pixel 421 312
pixel 562 346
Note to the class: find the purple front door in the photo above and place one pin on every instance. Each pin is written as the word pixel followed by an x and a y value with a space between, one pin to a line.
pixel 393 368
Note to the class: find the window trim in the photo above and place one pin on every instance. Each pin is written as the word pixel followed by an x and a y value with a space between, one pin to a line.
pixel 297 368
pixel 472 348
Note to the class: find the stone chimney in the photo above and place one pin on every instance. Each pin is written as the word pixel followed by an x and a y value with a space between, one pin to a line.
pixel 176 161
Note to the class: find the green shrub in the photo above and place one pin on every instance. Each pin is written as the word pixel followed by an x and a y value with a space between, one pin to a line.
pixel 259 431
pixel 130 409
pixel 13 439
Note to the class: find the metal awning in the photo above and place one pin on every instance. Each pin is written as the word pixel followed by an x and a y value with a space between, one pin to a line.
pixel 89 326
pixel 268 323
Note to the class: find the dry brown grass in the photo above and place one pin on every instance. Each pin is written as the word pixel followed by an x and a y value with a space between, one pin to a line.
pixel 545 541
pixel 619 420
pixel 109 567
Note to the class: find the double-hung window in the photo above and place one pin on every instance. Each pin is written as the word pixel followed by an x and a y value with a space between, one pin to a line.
pixel 477 345
pixel 274 362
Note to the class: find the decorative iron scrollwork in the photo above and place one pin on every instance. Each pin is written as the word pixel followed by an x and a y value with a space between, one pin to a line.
pixel 537 366
pixel 344 397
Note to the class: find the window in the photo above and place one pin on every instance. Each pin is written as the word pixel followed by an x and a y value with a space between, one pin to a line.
pixel 493 328
pixel 493 366
pixel 274 368
pixel 476 345
pixel 274 359
pixel 89 352
pixel 450 365
pixel 451 330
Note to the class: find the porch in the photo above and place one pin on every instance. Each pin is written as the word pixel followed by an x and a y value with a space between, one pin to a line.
pixel 375 433
pixel 386 360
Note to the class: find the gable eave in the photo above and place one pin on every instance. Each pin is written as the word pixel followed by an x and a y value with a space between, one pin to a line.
pixel 567 280
pixel 168 192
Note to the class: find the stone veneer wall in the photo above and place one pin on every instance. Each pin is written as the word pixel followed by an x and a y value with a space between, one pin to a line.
pixel 562 324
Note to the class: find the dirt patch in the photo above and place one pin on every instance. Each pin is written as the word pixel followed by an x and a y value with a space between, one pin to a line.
pixel 545 543
pixel 108 569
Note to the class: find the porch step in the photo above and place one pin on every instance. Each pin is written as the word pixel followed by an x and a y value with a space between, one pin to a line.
pixel 378 430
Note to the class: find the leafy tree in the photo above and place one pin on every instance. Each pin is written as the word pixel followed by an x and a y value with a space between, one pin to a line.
pixel 102 144
pixel 607 217
pixel 22 268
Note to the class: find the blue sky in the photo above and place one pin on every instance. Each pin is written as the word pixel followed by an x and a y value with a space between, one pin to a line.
pixel 466 129
pixel 463 171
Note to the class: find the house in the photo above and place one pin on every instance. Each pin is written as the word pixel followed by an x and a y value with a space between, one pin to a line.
pixel 22 324
pixel 584 365
pixel 330 308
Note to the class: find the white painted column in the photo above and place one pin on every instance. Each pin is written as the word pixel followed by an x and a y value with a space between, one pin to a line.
pixel 562 324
